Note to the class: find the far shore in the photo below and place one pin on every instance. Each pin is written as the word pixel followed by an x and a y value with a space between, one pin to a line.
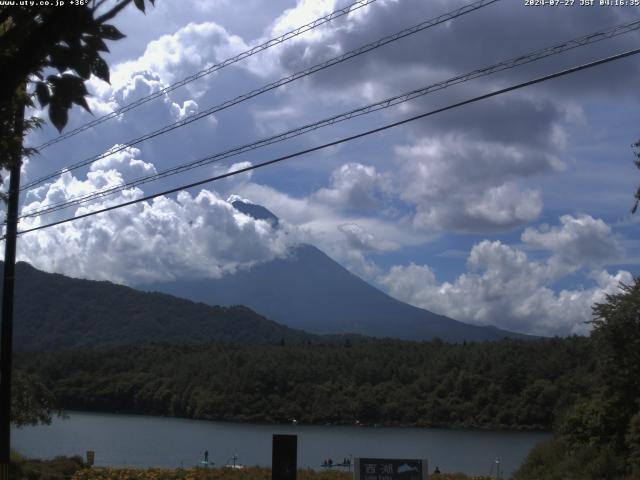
pixel 336 424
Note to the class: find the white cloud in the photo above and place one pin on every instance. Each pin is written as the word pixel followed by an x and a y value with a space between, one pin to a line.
pixel 304 12
pixel 166 60
pixel 505 205
pixel 190 236
pixel 357 237
pixel 124 163
pixel 503 287
pixel 173 57
pixel 510 299
pixel 455 185
pixel 188 108
pixel 353 185
pixel 468 171
pixel 578 241
pixel 346 234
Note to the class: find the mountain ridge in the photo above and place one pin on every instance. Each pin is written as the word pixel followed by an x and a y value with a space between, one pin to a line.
pixel 53 311
pixel 310 291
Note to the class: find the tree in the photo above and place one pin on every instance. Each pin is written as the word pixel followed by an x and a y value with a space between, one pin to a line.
pixel 599 436
pixel 68 40
pixel 36 41
pixel 31 401
pixel 616 333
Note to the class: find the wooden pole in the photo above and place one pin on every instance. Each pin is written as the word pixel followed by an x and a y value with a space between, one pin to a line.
pixel 6 330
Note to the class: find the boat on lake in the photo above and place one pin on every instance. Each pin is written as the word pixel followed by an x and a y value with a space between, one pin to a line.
pixel 328 463
pixel 235 465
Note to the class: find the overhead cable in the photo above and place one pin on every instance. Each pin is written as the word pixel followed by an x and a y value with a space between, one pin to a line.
pixel 386 103
pixel 340 141
pixel 271 86
pixel 209 70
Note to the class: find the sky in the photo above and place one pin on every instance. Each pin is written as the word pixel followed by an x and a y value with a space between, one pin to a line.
pixel 513 211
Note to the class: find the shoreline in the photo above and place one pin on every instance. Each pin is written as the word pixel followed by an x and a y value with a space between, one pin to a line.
pixel 300 424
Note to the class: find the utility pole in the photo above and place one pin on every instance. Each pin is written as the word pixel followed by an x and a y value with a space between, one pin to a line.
pixel 6 330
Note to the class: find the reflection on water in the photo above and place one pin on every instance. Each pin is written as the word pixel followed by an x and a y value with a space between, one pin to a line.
pixel 166 442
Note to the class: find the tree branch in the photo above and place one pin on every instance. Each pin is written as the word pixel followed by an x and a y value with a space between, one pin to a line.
pixel 113 12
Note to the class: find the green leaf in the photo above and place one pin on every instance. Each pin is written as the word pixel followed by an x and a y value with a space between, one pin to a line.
pixel 110 32
pixel 139 5
pixel 74 83
pixel 100 69
pixel 53 80
pixel 67 89
pixel 58 115
pixel 61 57
pixel 83 103
pixel 43 93
pixel 96 44
pixel 82 65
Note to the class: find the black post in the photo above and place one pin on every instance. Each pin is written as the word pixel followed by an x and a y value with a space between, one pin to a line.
pixel 6 331
pixel 284 459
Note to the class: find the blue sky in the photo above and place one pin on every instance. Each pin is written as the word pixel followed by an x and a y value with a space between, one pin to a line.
pixel 512 212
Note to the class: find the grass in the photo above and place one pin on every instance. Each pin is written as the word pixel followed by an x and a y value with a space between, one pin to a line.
pixel 254 473
pixel 73 468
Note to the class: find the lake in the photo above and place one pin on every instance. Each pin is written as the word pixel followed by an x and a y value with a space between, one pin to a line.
pixel 142 441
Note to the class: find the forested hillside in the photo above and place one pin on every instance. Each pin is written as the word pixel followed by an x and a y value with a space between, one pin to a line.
pixel 599 436
pixel 506 384
pixel 55 312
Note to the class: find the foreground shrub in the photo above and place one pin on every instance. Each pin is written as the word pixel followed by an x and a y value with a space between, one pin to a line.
pixel 556 459
pixel 60 468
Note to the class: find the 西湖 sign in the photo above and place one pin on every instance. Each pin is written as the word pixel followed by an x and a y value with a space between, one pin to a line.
pixel 390 469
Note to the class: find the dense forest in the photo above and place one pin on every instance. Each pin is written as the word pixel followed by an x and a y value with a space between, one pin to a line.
pixel 506 384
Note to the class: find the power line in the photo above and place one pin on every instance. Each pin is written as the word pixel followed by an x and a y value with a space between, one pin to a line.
pixel 343 140
pixel 271 86
pixel 386 103
pixel 214 68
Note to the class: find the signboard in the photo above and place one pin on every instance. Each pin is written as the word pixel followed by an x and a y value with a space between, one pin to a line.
pixel 390 469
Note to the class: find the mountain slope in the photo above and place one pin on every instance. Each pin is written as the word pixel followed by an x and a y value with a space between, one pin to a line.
pixel 310 291
pixel 53 312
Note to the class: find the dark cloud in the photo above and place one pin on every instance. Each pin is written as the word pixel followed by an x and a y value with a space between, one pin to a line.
pixel 497 32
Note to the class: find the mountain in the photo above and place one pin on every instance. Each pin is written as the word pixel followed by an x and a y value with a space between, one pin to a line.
pixel 310 291
pixel 53 311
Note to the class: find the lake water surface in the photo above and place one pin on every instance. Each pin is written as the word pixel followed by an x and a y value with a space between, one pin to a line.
pixel 142 441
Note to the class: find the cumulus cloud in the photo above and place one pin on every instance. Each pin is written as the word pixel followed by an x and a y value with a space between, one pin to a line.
pixel 577 241
pixel 198 235
pixel 504 287
pixel 173 57
pixel 188 108
pixel 348 235
pixel 487 151
pixel 496 32
pixel 165 60
pixel 353 185
pixel 468 187
pixel 126 162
